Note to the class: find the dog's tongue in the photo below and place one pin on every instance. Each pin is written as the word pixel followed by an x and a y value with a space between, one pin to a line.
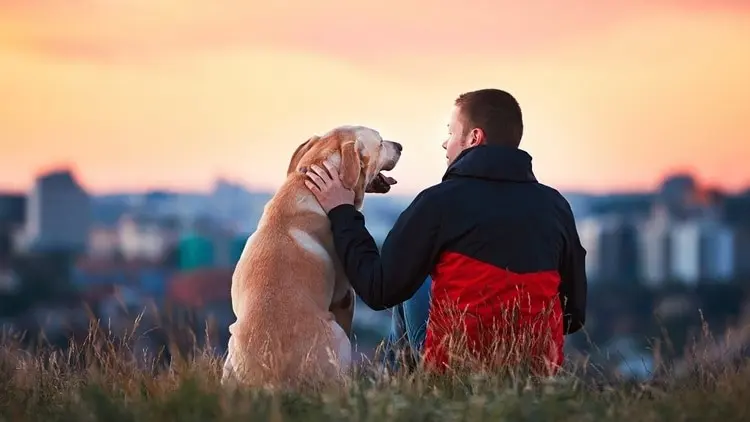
pixel 380 184
pixel 385 179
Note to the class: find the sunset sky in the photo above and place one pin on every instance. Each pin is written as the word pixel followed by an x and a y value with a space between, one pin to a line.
pixel 173 93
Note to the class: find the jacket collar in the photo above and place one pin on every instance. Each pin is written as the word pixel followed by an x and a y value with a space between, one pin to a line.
pixel 492 162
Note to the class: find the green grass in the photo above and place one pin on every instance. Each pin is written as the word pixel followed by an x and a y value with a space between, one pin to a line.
pixel 101 380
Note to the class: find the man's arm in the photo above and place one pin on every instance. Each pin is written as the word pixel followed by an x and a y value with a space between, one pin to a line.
pixel 408 253
pixel 574 285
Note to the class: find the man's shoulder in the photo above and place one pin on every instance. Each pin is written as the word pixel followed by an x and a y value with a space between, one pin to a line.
pixel 551 193
pixel 447 191
pixel 430 197
pixel 432 193
pixel 450 188
pixel 557 199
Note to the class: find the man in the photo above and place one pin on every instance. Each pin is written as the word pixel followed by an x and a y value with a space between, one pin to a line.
pixel 502 249
pixel 408 326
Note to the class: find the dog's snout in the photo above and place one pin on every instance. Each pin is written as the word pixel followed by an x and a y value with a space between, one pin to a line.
pixel 398 146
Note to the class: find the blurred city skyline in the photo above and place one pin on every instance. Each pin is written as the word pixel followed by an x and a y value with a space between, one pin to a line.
pixel 174 94
pixel 219 180
pixel 682 246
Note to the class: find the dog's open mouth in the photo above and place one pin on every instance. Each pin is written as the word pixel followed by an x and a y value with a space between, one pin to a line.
pixel 380 184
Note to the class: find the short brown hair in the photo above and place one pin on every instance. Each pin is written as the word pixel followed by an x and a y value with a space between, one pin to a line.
pixel 494 111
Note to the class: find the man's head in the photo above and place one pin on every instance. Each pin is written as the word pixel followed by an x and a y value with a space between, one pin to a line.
pixel 486 116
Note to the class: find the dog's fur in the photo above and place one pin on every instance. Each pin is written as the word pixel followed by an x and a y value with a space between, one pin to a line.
pixel 293 302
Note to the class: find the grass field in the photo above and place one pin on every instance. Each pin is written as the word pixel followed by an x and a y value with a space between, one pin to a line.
pixel 99 381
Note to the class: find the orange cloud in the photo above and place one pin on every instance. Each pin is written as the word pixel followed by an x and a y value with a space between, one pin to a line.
pixel 340 27
pixel 174 92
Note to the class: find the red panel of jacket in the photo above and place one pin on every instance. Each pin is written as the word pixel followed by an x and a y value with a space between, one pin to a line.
pixel 494 314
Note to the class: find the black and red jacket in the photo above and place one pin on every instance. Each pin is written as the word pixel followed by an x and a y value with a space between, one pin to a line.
pixel 496 243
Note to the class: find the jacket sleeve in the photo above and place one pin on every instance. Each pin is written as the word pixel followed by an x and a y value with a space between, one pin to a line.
pixel 383 280
pixel 574 285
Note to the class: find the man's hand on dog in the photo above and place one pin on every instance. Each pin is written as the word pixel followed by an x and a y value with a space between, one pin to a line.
pixel 327 187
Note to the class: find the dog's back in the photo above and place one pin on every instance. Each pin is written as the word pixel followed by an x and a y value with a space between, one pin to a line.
pixel 284 332
pixel 289 283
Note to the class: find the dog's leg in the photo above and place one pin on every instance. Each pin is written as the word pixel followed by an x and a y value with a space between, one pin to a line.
pixel 228 374
pixel 343 312
pixel 342 346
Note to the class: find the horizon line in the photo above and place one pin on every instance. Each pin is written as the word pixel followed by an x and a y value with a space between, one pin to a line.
pixel 614 190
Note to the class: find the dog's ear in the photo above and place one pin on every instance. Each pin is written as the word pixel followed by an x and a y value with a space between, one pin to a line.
pixel 350 165
pixel 299 152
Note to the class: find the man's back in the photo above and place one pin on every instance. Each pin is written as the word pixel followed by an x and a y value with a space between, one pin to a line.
pixel 507 248
pixel 492 238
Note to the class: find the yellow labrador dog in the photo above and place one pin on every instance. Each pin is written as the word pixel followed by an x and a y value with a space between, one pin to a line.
pixel 293 302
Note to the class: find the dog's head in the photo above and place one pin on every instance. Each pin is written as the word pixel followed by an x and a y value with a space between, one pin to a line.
pixel 359 153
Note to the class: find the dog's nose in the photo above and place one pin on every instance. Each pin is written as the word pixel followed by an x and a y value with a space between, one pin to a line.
pixel 398 146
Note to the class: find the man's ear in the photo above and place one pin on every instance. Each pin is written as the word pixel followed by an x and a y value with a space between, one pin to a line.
pixel 299 152
pixel 477 137
pixel 350 165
